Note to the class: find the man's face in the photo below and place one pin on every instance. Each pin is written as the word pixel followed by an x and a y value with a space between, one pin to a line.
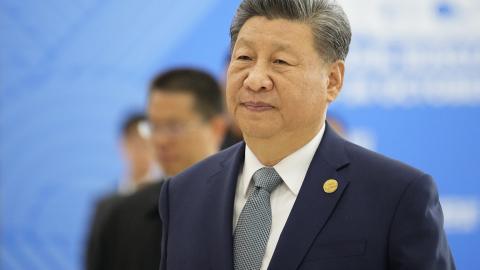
pixel 179 134
pixel 138 154
pixel 277 83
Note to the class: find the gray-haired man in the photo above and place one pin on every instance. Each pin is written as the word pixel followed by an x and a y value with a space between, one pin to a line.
pixel 295 195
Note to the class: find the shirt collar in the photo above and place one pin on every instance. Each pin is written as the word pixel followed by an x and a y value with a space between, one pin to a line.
pixel 292 169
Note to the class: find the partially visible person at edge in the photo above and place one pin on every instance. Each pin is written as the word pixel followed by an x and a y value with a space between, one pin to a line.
pixel 139 161
pixel 296 195
pixel 185 112
pixel 233 134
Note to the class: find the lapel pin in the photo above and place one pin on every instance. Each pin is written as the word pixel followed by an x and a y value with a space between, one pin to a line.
pixel 330 186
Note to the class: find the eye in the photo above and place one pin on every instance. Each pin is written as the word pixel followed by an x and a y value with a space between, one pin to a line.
pixel 280 61
pixel 244 58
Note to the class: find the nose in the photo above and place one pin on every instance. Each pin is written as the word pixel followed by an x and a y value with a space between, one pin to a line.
pixel 160 140
pixel 258 79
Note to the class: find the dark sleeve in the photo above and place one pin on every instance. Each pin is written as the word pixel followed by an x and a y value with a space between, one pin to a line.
pixel 417 238
pixel 164 213
pixel 94 249
pixel 91 252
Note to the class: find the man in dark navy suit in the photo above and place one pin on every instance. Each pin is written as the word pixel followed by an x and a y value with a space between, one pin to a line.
pixel 138 157
pixel 186 120
pixel 296 195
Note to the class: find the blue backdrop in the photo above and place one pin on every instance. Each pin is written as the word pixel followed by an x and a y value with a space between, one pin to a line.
pixel 71 70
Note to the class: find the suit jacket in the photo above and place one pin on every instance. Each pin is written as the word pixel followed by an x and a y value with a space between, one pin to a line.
pixel 93 252
pixel 384 215
pixel 130 238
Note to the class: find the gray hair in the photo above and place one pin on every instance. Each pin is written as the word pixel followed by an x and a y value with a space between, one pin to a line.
pixel 328 21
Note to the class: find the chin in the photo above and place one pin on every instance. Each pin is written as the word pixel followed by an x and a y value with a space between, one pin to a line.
pixel 258 131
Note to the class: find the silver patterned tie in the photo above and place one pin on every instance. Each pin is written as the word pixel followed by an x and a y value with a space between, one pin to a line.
pixel 253 226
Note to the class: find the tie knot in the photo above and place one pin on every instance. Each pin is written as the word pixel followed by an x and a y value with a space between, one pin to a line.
pixel 267 178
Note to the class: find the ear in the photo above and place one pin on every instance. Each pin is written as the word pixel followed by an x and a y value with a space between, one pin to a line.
pixel 335 80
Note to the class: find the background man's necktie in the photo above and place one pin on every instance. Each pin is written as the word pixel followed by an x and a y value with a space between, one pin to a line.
pixel 253 226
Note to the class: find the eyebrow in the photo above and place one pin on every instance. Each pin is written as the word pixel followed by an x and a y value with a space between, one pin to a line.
pixel 242 41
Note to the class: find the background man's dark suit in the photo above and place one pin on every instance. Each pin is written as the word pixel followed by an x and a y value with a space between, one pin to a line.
pixel 186 124
pixel 131 235
pixel 384 215
pixel 94 251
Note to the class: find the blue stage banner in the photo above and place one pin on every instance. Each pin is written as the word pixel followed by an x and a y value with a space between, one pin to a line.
pixel 71 70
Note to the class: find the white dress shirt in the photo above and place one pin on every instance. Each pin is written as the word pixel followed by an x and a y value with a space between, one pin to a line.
pixel 292 169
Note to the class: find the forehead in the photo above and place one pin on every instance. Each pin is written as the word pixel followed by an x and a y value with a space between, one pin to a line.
pixel 280 33
pixel 177 104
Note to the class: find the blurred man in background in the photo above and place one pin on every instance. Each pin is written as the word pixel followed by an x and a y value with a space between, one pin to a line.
pixel 138 156
pixel 233 134
pixel 185 110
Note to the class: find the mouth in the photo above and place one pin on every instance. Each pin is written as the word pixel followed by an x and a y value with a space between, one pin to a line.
pixel 166 158
pixel 257 106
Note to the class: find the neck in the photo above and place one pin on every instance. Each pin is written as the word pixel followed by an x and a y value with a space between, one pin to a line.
pixel 272 150
pixel 138 176
pixel 208 151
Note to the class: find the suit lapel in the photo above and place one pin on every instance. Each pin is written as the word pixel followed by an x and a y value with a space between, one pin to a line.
pixel 313 206
pixel 221 197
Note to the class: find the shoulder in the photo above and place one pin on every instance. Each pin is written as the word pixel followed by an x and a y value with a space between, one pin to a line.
pixel 148 190
pixel 381 170
pixel 193 183
pixel 203 170
pixel 363 155
pixel 105 204
pixel 146 195
pixel 108 199
pixel 137 205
